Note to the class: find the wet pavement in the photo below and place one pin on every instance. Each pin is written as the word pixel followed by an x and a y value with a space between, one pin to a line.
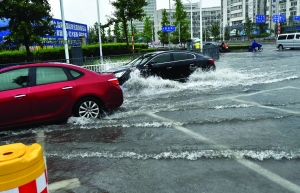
pixel 232 130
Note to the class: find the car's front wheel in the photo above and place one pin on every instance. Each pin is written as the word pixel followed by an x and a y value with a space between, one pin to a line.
pixel 280 47
pixel 88 107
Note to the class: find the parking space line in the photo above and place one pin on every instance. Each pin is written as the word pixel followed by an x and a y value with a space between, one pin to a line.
pixel 254 167
pixel 250 94
pixel 65 184
pixel 267 107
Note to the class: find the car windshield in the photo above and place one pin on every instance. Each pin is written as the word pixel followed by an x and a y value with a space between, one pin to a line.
pixel 140 60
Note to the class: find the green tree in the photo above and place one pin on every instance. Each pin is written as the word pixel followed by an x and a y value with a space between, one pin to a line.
pixel 292 25
pixel 117 30
pixel 109 35
pixel 126 11
pixel 163 36
pixel 93 35
pixel 236 33
pixel 28 21
pixel 248 27
pixel 227 35
pixel 123 31
pixel 137 35
pixel 182 25
pixel 147 31
pixel 215 29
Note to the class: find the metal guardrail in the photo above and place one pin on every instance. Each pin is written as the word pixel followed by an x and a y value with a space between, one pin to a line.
pixel 84 61
pixel 93 63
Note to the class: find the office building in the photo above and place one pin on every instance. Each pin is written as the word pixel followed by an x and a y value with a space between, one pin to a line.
pixel 209 15
pixel 149 10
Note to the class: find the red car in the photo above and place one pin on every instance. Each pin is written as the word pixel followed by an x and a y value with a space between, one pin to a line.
pixel 47 92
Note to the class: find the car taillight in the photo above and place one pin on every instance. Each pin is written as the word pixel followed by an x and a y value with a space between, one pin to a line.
pixel 211 61
pixel 114 81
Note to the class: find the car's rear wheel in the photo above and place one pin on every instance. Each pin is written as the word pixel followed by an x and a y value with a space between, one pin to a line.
pixel 88 107
pixel 280 47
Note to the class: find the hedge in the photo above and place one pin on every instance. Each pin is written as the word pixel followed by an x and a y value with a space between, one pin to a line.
pixel 58 53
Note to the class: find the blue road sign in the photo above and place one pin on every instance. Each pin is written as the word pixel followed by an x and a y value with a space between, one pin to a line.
pixel 279 18
pixel 168 28
pixel 260 19
pixel 296 18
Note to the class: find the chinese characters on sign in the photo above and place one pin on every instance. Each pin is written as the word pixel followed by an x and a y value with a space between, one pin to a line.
pixel 279 18
pixel 296 18
pixel 74 30
pixel 168 28
pixel 260 19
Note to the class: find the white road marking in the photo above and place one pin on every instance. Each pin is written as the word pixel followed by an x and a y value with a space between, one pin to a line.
pixel 267 107
pixel 65 184
pixel 256 168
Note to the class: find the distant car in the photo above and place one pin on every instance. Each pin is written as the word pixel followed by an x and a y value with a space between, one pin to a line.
pixel 210 43
pixel 173 65
pixel 46 92
pixel 270 38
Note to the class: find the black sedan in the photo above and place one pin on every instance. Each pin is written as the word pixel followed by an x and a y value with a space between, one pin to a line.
pixel 173 65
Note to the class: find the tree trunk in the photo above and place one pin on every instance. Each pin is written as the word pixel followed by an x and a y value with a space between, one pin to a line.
pixel 28 53
pixel 126 33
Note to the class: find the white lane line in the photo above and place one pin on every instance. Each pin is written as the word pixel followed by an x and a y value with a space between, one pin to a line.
pixel 267 107
pixel 271 176
pixel 65 184
pixel 250 94
pixel 256 168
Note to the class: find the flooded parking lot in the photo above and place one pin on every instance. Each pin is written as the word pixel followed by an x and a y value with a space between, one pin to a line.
pixel 232 130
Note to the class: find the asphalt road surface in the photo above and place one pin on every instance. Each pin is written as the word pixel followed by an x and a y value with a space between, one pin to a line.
pixel 233 130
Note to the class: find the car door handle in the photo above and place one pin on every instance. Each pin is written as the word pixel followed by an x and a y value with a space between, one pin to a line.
pixel 20 96
pixel 169 67
pixel 67 88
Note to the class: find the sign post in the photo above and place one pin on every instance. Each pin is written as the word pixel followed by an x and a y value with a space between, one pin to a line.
pixel 168 29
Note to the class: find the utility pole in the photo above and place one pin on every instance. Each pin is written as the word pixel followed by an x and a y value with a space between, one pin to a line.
pixel 64 31
pixel 170 22
pixel 201 41
pixel 99 31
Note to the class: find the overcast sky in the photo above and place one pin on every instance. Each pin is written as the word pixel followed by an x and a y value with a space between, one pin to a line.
pixel 85 12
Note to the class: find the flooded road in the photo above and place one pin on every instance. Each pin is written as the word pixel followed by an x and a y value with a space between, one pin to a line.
pixel 232 130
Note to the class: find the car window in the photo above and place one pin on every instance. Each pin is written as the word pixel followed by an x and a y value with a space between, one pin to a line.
pixel 14 79
pixel 191 56
pixel 75 74
pixel 162 58
pixel 180 56
pixel 297 36
pixel 141 60
pixel 46 75
pixel 282 37
pixel 291 36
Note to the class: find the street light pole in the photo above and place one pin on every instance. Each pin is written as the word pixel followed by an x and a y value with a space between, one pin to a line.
pixel 170 22
pixel 64 31
pixel 191 19
pixel 201 41
pixel 99 31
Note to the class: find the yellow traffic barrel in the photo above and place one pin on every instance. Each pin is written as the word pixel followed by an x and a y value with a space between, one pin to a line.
pixel 22 169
